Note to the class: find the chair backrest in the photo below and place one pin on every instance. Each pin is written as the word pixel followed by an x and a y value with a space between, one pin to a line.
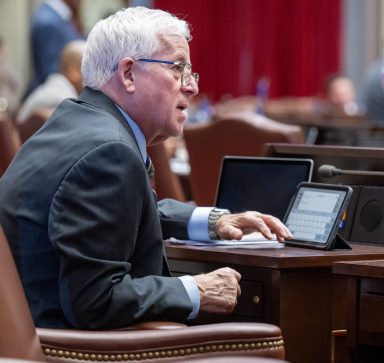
pixel 9 142
pixel 167 183
pixel 238 134
pixel 33 123
pixel 18 338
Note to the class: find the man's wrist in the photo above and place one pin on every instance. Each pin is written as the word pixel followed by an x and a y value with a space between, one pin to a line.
pixel 214 215
pixel 192 289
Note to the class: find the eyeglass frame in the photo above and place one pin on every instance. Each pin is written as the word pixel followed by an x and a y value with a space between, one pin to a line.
pixel 184 80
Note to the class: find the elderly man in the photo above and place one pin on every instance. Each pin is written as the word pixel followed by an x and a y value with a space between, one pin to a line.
pixel 77 204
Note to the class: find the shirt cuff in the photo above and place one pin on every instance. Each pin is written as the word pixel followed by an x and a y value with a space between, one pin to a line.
pixel 198 224
pixel 193 293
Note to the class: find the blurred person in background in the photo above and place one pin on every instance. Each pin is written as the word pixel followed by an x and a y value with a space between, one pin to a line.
pixel 373 91
pixel 340 95
pixel 10 84
pixel 54 24
pixel 66 83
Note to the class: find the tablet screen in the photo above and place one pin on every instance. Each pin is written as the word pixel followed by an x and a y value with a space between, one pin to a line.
pixel 315 213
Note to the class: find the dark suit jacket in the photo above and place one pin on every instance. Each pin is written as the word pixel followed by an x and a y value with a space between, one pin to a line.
pixel 77 207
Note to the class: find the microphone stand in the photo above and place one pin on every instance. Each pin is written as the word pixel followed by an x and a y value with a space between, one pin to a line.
pixel 360 172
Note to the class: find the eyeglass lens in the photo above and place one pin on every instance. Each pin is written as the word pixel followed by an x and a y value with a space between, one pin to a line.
pixel 187 74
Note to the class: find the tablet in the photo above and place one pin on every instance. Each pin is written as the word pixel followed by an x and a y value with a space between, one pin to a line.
pixel 315 214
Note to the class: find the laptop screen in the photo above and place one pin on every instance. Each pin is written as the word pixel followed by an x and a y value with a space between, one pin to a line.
pixel 262 184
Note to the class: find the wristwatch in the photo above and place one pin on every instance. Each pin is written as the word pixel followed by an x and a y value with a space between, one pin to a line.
pixel 214 215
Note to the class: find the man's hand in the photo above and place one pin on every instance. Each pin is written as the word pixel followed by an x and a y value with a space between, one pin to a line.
pixel 219 290
pixel 234 226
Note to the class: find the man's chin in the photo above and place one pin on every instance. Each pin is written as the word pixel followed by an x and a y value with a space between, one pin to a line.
pixel 178 129
pixel 158 140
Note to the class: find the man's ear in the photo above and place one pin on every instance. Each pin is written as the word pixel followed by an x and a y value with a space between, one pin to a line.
pixel 126 75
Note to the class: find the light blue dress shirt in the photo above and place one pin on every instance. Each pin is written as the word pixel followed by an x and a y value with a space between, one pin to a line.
pixel 197 225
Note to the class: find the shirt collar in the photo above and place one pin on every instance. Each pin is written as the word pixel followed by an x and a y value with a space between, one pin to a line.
pixel 61 8
pixel 140 138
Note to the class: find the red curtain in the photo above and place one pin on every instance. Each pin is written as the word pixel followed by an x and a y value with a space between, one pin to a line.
pixel 294 43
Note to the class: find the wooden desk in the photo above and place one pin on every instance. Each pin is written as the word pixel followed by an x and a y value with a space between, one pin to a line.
pixel 365 325
pixel 291 287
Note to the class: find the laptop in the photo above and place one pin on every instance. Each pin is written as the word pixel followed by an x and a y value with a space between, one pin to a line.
pixel 260 183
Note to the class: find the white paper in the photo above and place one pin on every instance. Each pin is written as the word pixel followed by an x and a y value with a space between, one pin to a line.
pixel 251 241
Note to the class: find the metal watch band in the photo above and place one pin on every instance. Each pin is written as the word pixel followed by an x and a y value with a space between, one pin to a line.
pixel 214 215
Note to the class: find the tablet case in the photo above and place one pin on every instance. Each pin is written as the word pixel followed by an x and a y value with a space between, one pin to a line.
pixel 339 243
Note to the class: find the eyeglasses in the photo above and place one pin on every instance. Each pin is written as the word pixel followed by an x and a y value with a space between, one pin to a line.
pixel 185 69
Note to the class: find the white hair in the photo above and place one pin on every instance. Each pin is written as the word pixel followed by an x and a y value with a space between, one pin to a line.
pixel 133 32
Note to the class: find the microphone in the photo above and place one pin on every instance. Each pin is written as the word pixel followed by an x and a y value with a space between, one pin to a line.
pixel 329 171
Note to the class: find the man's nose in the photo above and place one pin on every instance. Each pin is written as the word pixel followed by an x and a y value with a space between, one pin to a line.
pixel 192 87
